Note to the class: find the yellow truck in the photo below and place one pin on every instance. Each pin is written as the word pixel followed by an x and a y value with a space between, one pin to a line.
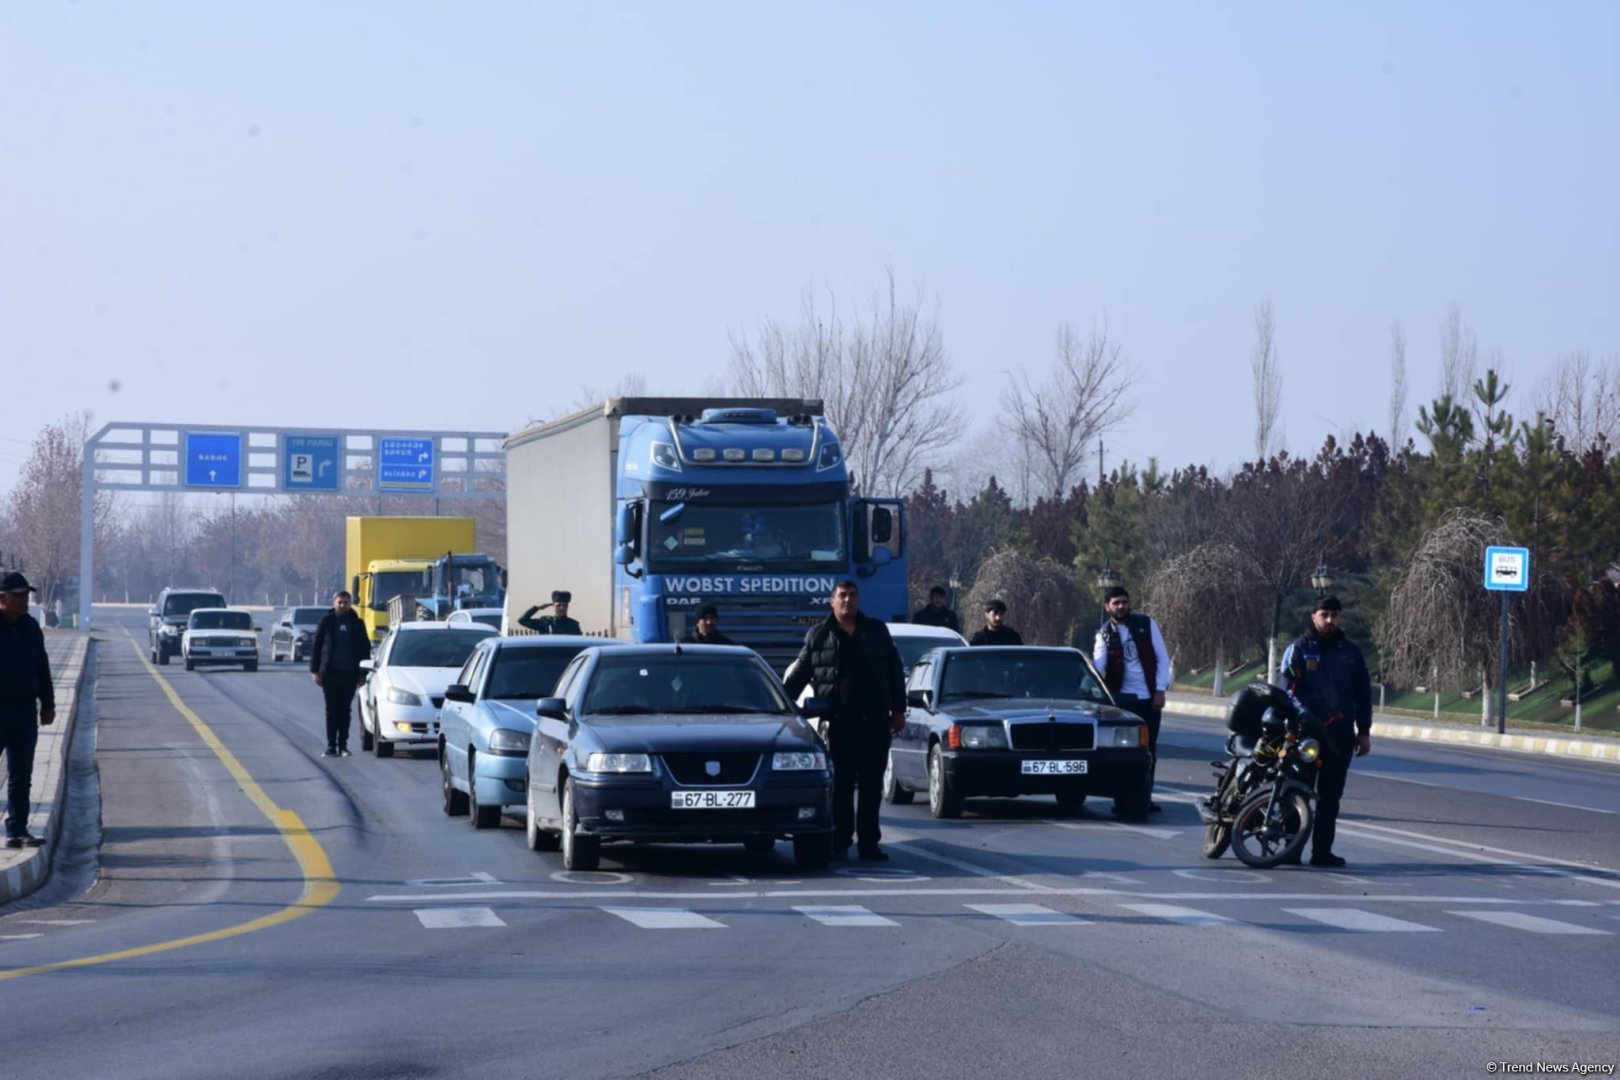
pixel 394 556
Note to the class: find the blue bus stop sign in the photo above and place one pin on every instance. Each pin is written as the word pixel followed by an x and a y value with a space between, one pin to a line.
pixel 213 459
pixel 1507 569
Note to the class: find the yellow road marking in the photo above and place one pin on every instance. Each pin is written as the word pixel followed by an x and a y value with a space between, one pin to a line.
pixel 320 884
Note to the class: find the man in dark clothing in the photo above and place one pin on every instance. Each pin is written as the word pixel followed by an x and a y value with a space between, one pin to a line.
pixel 1325 674
pixel 708 629
pixel 1135 664
pixel 996 631
pixel 334 659
pixel 851 661
pixel 557 623
pixel 25 678
pixel 936 613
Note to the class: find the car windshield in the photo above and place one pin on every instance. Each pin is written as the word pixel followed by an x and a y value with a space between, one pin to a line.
pixel 487 618
pixel 221 620
pixel 1020 674
pixel 446 648
pixel 186 603
pixel 683 536
pixel 308 616
pixel 527 673
pixel 678 684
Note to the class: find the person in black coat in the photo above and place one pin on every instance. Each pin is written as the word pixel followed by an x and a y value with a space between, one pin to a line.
pixel 996 631
pixel 334 660
pixel 851 661
pixel 25 678
pixel 936 613
pixel 708 629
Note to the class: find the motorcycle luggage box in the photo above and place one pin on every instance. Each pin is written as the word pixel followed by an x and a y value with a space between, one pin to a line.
pixel 1248 707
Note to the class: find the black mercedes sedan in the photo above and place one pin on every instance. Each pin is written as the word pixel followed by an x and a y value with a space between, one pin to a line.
pixel 1015 720
pixel 693 744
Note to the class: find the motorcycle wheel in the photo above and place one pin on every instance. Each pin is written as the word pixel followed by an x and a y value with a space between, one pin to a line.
pixel 1264 836
pixel 1216 837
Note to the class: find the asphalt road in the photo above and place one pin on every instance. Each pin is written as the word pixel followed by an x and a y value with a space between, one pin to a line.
pixel 258 911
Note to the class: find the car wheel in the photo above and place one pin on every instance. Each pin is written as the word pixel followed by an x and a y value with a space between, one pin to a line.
pixel 892 791
pixel 580 852
pixel 366 741
pixel 251 665
pixel 539 839
pixel 163 657
pixel 943 800
pixel 1071 800
pixel 812 852
pixel 483 817
pixel 760 845
pixel 455 802
pixel 382 748
pixel 189 665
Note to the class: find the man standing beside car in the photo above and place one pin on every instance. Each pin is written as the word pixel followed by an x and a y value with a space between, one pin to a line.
pixel 25 677
pixel 851 661
pixel 1135 665
pixel 334 659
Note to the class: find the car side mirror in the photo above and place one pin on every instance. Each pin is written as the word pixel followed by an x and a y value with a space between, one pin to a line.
pixel 368 665
pixel 919 699
pixel 153 612
pixel 458 692
pixel 815 708
pixel 552 708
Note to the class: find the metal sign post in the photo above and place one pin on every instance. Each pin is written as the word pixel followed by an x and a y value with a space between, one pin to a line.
pixel 1507 570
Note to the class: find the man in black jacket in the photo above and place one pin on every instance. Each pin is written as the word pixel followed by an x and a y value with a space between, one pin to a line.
pixel 708 629
pixel 996 631
pixel 937 613
pixel 25 677
pixel 851 661
pixel 334 659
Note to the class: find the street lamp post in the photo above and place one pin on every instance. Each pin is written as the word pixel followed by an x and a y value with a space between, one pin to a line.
pixel 1321 579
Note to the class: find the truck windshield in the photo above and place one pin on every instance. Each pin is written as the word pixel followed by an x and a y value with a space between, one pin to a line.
pixel 469 577
pixel 389 584
pixel 763 536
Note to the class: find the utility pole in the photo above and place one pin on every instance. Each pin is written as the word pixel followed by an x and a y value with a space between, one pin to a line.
pixel 1100 473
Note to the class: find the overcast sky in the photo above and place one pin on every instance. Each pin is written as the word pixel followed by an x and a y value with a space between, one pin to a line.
pixel 434 215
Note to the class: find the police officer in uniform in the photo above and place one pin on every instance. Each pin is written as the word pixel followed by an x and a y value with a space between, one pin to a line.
pixel 556 623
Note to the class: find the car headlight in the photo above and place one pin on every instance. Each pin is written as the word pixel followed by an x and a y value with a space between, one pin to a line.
pixel 402 697
pixel 507 741
pixel 1308 750
pixel 618 763
pixel 170 629
pixel 248 642
pixel 301 637
pixel 798 761
pixel 1122 735
pixel 984 738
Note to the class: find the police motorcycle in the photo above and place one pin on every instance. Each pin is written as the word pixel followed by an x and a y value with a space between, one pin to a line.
pixel 1265 790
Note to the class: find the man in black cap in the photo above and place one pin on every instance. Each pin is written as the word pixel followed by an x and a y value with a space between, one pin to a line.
pixel 937 613
pixel 340 645
pixel 25 678
pixel 996 631
pixel 556 623
pixel 1325 674
pixel 708 629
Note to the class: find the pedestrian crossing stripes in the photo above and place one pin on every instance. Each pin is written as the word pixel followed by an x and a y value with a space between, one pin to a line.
pixel 1029 915
pixel 457 918
pixel 665 918
pixel 1184 916
pixel 842 915
pixel 1535 924
pixel 1355 919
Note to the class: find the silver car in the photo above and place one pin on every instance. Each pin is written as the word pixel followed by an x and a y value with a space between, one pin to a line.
pixel 293 632
pixel 488 717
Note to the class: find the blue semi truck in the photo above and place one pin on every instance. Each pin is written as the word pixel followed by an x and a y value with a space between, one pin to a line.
pixel 645 509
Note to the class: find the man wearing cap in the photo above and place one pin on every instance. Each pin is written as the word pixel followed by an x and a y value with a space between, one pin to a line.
pixel 996 631
pixel 25 678
pixel 341 643
pixel 708 629
pixel 1325 674
pixel 556 623
pixel 1135 665
pixel 937 613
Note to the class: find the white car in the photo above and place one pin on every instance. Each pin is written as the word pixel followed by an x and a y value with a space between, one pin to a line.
pixel 910 641
pixel 399 703
pixel 489 616
pixel 220 636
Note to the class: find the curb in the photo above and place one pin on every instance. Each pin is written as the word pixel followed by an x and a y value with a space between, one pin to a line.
pixel 24 870
pixel 1394 727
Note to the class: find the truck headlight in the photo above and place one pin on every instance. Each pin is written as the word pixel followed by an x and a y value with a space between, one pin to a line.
pixel 618 763
pixel 398 696
pixel 983 738
pixel 1125 735
pixel 507 741
pixel 664 456
pixel 798 761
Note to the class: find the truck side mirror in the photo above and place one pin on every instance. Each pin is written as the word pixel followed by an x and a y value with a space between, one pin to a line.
pixel 882 525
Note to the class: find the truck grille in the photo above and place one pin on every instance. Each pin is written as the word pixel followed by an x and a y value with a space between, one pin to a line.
pixel 774 627
pixel 692 769
pixel 1045 735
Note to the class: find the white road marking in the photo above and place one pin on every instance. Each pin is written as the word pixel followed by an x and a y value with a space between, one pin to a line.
pixel 665 918
pixel 1355 919
pixel 1029 915
pixel 1481 852
pixel 1517 920
pixel 843 915
pixel 987 891
pixel 1184 916
pixel 1246 876
pixel 591 877
pixel 56 922
pixel 1398 779
pixel 477 877
pixel 18 937
pixel 1146 830
pixel 980 871
pixel 457 918
pixel 1565 805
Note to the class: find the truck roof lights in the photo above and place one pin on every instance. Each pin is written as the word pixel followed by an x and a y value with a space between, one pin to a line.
pixel 703 453
pixel 764 454
pixel 733 453
pixel 792 453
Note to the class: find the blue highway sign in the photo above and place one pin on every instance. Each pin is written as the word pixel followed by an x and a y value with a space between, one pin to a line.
pixel 1507 569
pixel 213 459
pixel 310 463
pixel 404 464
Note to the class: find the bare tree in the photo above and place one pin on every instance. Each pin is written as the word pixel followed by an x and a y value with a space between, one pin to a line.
pixel 1043 602
pixel 1056 421
pixel 630 384
pixel 45 510
pixel 1459 355
pixel 1267 375
pixel 886 383
pixel 1397 385
pixel 1210 604
pixel 1582 398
